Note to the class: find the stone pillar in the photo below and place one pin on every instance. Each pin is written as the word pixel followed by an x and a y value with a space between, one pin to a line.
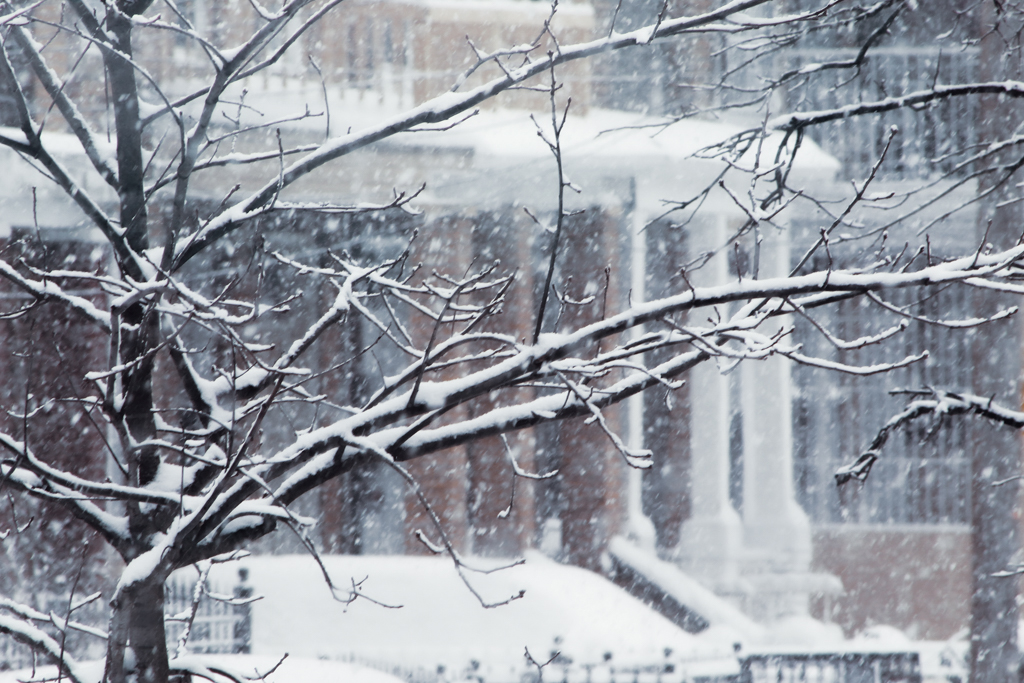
pixel 775 526
pixel 777 532
pixel 711 539
pixel 774 521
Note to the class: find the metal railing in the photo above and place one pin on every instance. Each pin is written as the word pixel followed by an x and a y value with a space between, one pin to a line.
pixel 554 672
pixel 222 619
pixel 839 667
pixel 835 667
pixel 222 623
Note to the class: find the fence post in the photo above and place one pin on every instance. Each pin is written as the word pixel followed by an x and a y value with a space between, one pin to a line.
pixel 243 615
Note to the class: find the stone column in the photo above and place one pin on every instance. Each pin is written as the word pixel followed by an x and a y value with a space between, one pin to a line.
pixel 711 539
pixel 777 532
pixel 775 526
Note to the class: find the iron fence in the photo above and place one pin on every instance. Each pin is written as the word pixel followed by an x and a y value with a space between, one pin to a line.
pixel 219 623
pixel 841 667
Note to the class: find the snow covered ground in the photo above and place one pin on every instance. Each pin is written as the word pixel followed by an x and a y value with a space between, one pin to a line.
pixel 432 622
pixel 291 670
pixel 417 621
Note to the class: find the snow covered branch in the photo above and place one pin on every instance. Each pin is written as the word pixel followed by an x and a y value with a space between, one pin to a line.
pixel 24 632
pixel 940 404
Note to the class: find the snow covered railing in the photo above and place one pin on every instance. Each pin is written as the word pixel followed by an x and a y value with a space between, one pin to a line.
pixel 602 673
pixel 561 670
pixel 832 667
pixel 558 671
pixel 693 607
pixel 207 618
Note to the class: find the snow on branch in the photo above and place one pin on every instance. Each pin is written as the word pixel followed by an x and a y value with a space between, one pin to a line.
pixel 113 528
pixel 787 122
pixel 861 371
pixel 48 290
pixel 29 461
pixel 953 324
pixel 24 632
pixel 531 362
pixel 100 156
pixel 30 614
pixel 940 403
pixel 638 458
pixel 205 478
pixel 226 511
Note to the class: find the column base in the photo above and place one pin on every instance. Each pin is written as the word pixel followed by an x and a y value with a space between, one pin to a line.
pixel 778 543
pixel 710 549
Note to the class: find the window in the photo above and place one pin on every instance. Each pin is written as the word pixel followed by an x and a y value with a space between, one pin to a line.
pixel 923 475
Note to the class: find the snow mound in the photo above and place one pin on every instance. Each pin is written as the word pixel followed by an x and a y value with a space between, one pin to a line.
pixel 884 635
pixel 433 623
pixel 806 632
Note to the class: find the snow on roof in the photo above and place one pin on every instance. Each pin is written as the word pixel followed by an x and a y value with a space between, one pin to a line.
pixel 504 136
pixel 527 8
pixel 605 152
pixel 607 135
pixel 440 623
pixel 29 197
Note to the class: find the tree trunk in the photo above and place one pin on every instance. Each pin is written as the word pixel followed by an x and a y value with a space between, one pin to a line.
pixel 130 167
pixel 137 627
pixel 996 349
pixel 146 634
pixel 994 548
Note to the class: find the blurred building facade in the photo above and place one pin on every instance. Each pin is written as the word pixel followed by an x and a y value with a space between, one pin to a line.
pixel 741 496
